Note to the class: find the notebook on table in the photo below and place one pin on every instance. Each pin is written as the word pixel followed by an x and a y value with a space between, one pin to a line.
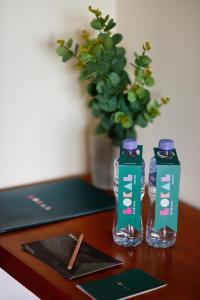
pixel 57 251
pixel 121 286
pixel 49 202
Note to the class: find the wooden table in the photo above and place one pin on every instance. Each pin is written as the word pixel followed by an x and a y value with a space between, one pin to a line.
pixel 179 266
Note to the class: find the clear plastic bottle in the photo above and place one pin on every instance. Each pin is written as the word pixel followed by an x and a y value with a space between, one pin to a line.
pixel 165 237
pixel 127 236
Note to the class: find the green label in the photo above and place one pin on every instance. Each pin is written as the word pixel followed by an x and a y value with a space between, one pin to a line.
pixel 167 191
pixel 129 191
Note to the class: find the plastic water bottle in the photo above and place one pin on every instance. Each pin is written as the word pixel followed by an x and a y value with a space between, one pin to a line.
pixel 127 236
pixel 165 237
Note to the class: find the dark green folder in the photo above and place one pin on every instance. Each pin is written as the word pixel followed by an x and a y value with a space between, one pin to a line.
pixel 49 202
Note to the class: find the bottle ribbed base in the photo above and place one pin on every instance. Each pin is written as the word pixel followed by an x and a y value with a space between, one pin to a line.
pixel 156 243
pixel 128 242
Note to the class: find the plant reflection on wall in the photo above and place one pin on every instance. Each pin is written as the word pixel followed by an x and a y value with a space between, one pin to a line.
pixel 119 104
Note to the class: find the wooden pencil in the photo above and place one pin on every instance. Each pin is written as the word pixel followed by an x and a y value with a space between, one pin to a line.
pixel 75 253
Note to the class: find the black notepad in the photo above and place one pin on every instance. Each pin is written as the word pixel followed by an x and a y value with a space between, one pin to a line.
pixel 49 202
pixel 56 252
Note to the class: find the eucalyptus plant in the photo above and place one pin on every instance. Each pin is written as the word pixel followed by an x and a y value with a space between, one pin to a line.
pixel 118 103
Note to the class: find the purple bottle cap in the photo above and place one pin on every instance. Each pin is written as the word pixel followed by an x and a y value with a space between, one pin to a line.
pixel 129 144
pixel 166 144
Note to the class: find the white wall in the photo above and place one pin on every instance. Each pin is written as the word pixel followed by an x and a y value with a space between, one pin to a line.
pixel 173 29
pixel 43 116
pixel 11 289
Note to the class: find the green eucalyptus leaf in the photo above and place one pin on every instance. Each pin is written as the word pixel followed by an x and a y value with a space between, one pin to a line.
pixel 101 20
pixel 117 38
pixel 141 121
pixel 109 85
pixel 108 42
pixel 97 50
pixel 112 52
pixel 94 105
pixel 110 25
pixel 108 105
pixel 146 60
pixel 114 78
pixel 96 24
pixel 139 72
pixel 143 95
pixel 139 79
pixel 86 57
pixel 109 91
pixel 124 78
pixel 146 96
pixel 118 64
pixel 127 121
pixel 123 105
pixel 102 36
pixel 68 54
pixel 90 70
pixel 101 98
pixel 120 51
pixel 118 116
pixel 140 92
pixel 135 106
pixel 153 110
pixel 103 68
pixel 100 86
pixel 149 81
pixel 69 43
pixel 132 96
pixel 108 55
pixel 139 75
pixel 61 50
pixel 148 117
pixel 143 61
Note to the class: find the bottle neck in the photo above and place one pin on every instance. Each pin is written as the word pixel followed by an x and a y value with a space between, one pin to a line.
pixel 130 153
pixel 166 153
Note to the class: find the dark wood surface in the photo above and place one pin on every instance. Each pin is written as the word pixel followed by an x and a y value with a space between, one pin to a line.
pixel 179 266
